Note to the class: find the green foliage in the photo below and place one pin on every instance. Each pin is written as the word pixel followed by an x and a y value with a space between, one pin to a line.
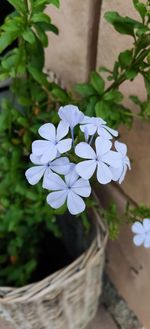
pixel 101 95
pixel 32 100
pixel 137 212
pixel 113 220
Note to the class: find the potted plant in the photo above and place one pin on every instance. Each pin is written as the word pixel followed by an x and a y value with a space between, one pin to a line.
pixel 50 291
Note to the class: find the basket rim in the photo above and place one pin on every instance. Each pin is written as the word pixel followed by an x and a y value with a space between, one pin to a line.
pixel 60 277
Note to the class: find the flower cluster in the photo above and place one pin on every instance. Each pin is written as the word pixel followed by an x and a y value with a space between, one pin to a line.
pixel 142 233
pixel 69 182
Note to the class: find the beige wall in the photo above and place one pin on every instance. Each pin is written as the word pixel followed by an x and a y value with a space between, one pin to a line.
pixel 73 53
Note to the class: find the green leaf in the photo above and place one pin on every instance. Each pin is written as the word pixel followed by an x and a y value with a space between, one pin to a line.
pixel 147 82
pixel 41 34
pixel 104 69
pixel 40 17
pixel 135 100
pixel 29 36
pixel 15 24
pixel 53 28
pixel 101 109
pixel 140 7
pixel 7 38
pixel 37 75
pixel 90 108
pixel 131 74
pixel 125 58
pixel 113 96
pixel 4 76
pixel 36 54
pixel 143 42
pixel 115 70
pixel 56 3
pixel 97 82
pixel 124 25
pixel 84 89
pixel 60 95
pixel 19 5
pixel 4 115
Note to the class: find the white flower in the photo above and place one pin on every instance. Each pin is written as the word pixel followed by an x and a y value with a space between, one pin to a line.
pixel 119 173
pixel 69 190
pixel 93 125
pixel 99 159
pixel 142 231
pixel 34 174
pixel 71 115
pixel 53 144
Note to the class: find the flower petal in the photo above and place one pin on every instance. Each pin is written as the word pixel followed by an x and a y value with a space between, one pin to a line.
pixel 54 183
pixel 138 228
pixel 45 149
pixel 34 174
pixel 64 145
pixel 113 132
pixel 122 177
pixel 89 128
pixel 72 176
pixel 127 162
pixel 82 187
pixel 85 151
pixel 61 165
pixel 103 133
pixel 86 169
pixel 57 199
pixel 102 146
pixel 40 146
pixel 48 131
pixel 50 154
pixel 139 239
pixel 112 158
pixel 147 241
pixel 146 224
pixel 71 115
pixel 116 172
pixel 121 147
pixel 75 203
pixel 62 130
pixel 104 175
pixel 35 159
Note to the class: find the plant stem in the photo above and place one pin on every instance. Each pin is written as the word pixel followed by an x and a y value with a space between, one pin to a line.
pixel 136 60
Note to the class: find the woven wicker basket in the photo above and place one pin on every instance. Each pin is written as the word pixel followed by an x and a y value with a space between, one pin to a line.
pixel 68 299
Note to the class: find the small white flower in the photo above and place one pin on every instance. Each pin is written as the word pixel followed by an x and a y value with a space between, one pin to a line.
pixel 142 231
pixel 70 190
pixel 71 115
pixel 119 173
pixel 93 125
pixel 53 144
pixel 101 159
pixel 34 174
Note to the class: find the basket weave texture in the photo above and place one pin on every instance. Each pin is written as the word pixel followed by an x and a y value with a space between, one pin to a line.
pixel 68 299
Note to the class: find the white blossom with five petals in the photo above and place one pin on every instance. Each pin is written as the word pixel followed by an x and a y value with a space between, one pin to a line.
pixel 142 233
pixel 71 191
pixel 101 159
pixel 119 173
pixel 54 144
pixel 34 174
pixel 94 125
